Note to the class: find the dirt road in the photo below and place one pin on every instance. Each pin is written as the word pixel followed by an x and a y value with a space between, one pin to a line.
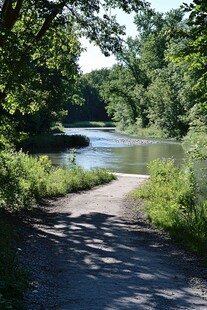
pixel 90 251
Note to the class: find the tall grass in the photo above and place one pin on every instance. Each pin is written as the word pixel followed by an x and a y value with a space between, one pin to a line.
pixel 24 180
pixel 172 202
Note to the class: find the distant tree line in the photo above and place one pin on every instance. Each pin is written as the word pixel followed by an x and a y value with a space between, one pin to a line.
pixel 92 107
pixel 160 78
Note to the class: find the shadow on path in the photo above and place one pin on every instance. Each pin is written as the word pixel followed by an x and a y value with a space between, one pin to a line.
pixel 100 264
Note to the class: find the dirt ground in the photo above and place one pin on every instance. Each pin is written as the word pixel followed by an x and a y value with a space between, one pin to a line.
pixel 93 251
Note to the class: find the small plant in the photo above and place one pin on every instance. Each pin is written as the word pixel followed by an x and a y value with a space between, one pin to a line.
pixel 72 157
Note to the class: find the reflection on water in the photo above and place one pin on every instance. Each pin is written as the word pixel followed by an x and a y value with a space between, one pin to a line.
pixel 117 152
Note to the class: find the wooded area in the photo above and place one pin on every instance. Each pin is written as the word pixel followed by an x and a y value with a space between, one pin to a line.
pixel 159 80
pixel 158 83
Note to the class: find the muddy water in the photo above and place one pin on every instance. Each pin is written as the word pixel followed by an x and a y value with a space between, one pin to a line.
pixel 117 152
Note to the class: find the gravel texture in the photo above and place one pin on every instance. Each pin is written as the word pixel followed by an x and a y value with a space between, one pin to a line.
pixel 93 251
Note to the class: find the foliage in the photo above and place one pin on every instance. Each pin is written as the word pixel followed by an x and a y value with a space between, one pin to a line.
pixel 53 142
pixel 93 107
pixel 25 180
pixel 195 142
pixel 39 53
pixel 149 132
pixel 146 89
pixel 193 53
pixel 57 128
pixel 169 97
pixel 172 203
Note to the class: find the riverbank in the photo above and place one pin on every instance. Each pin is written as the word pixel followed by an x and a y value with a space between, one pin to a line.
pixel 92 251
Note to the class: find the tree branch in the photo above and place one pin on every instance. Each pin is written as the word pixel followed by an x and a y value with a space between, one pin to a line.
pixel 9 17
pixel 45 26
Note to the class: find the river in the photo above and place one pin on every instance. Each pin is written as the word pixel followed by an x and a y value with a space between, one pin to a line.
pixel 118 152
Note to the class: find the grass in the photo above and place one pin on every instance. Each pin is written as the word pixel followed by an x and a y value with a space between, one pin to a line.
pixel 24 180
pixel 89 124
pixel 53 143
pixel 173 203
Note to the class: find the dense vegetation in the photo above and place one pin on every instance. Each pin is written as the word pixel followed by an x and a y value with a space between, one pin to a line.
pixel 25 180
pixel 158 88
pixel 94 107
pixel 158 85
pixel 39 57
pixel 49 142
pixel 176 201
pixel 39 75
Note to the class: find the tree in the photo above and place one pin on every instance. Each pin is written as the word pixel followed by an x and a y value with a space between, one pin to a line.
pixel 38 84
pixel 170 99
pixel 123 96
pixel 38 40
pixel 141 89
pixel 94 107
pixel 38 17
pixel 194 54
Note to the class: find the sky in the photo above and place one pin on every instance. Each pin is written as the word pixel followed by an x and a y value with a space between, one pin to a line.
pixel 93 58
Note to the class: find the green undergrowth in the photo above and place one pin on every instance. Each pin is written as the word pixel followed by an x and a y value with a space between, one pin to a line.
pixel 13 280
pixel 53 142
pixel 24 180
pixel 174 203
pixel 195 142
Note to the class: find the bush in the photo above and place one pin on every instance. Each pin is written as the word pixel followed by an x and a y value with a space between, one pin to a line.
pixel 53 142
pixel 195 143
pixel 24 180
pixel 171 202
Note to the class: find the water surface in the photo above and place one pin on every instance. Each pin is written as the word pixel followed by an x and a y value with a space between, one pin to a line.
pixel 117 152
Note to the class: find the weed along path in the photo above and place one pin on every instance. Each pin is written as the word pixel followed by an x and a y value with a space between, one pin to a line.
pixel 90 251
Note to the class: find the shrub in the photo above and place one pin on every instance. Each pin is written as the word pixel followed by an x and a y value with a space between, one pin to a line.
pixel 53 142
pixel 171 202
pixel 195 142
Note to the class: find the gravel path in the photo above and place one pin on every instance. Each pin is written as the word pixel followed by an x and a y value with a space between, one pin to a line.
pixel 92 251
